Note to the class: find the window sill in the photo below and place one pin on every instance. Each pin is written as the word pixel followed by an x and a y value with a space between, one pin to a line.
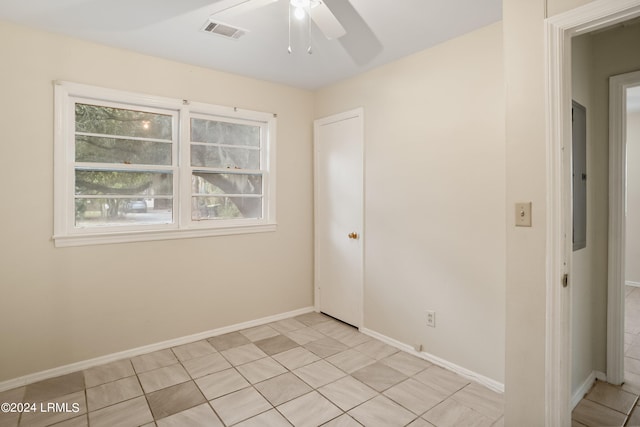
pixel 149 236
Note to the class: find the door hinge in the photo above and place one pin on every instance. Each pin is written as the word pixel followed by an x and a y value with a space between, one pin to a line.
pixel 565 280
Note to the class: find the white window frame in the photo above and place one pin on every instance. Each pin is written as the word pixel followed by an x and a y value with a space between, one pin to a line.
pixel 66 94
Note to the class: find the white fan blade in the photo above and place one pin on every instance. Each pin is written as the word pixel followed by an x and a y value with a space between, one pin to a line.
pixel 236 7
pixel 360 42
pixel 327 22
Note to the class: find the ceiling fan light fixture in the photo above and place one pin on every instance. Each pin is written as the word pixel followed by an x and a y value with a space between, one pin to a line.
pixel 299 13
pixel 301 7
pixel 302 11
pixel 304 4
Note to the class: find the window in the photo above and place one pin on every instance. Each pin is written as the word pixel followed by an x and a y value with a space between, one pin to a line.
pixel 131 167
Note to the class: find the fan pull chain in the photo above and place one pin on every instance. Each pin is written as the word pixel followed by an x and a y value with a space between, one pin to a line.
pixel 289 48
pixel 309 27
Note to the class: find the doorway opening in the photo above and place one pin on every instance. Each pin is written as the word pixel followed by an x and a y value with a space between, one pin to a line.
pixel 560 30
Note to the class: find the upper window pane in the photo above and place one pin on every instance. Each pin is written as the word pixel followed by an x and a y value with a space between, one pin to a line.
pixel 103 120
pixel 224 157
pixel 225 133
pixel 97 149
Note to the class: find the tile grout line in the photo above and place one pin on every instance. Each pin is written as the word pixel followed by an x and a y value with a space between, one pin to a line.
pixel 633 408
pixel 146 399
pixel 252 386
pixel 208 402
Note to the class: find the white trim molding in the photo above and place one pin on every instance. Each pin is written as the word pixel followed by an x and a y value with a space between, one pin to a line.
pixel 586 385
pixel 634 284
pixel 618 86
pixel 559 30
pixel 558 334
pixel 85 364
pixel 64 241
pixel 464 372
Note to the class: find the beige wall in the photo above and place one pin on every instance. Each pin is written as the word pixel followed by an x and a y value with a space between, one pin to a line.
pixel 526 182
pixel 633 198
pixel 62 305
pixel 555 7
pixel 434 199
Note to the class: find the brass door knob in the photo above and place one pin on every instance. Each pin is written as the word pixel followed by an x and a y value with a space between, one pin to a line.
pixel 353 235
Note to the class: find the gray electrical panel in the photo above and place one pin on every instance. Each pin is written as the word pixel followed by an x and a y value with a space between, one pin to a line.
pixel 579 162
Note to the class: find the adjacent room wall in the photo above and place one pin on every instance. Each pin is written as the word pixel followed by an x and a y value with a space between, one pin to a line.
pixel 434 198
pixel 596 57
pixel 613 51
pixel 617 53
pixel 63 305
pixel 588 274
pixel 633 198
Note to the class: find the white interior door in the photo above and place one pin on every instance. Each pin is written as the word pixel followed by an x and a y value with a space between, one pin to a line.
pixel 339 216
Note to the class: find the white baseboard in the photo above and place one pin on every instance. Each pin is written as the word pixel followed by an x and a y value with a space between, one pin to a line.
pixel 586 385
pixel 85 364
pixel 481 379
pixel 630 283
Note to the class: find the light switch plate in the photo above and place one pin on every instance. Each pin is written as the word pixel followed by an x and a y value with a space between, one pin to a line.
pixel 523 214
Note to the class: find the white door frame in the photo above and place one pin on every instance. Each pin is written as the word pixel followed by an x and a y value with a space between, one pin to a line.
pixel 355 113
pixel 618 86
pixel 558 33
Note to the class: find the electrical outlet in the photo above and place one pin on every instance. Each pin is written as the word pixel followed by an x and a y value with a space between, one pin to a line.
pixel 431 319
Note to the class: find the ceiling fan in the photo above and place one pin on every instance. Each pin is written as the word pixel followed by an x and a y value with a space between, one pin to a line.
pixel 336 20
pixel 317 10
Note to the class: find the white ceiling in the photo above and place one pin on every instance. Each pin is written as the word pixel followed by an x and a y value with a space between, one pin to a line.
pixel 378 32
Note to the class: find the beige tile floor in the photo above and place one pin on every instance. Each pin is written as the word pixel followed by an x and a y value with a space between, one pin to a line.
pixel 606 405
pixel 310 370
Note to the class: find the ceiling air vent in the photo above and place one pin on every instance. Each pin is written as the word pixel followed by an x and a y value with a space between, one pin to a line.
pixel 223 30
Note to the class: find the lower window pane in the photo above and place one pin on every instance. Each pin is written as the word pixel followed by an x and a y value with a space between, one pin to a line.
pixel 101 212
pixel 226 183
pixel 120 183
pixel 205 208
